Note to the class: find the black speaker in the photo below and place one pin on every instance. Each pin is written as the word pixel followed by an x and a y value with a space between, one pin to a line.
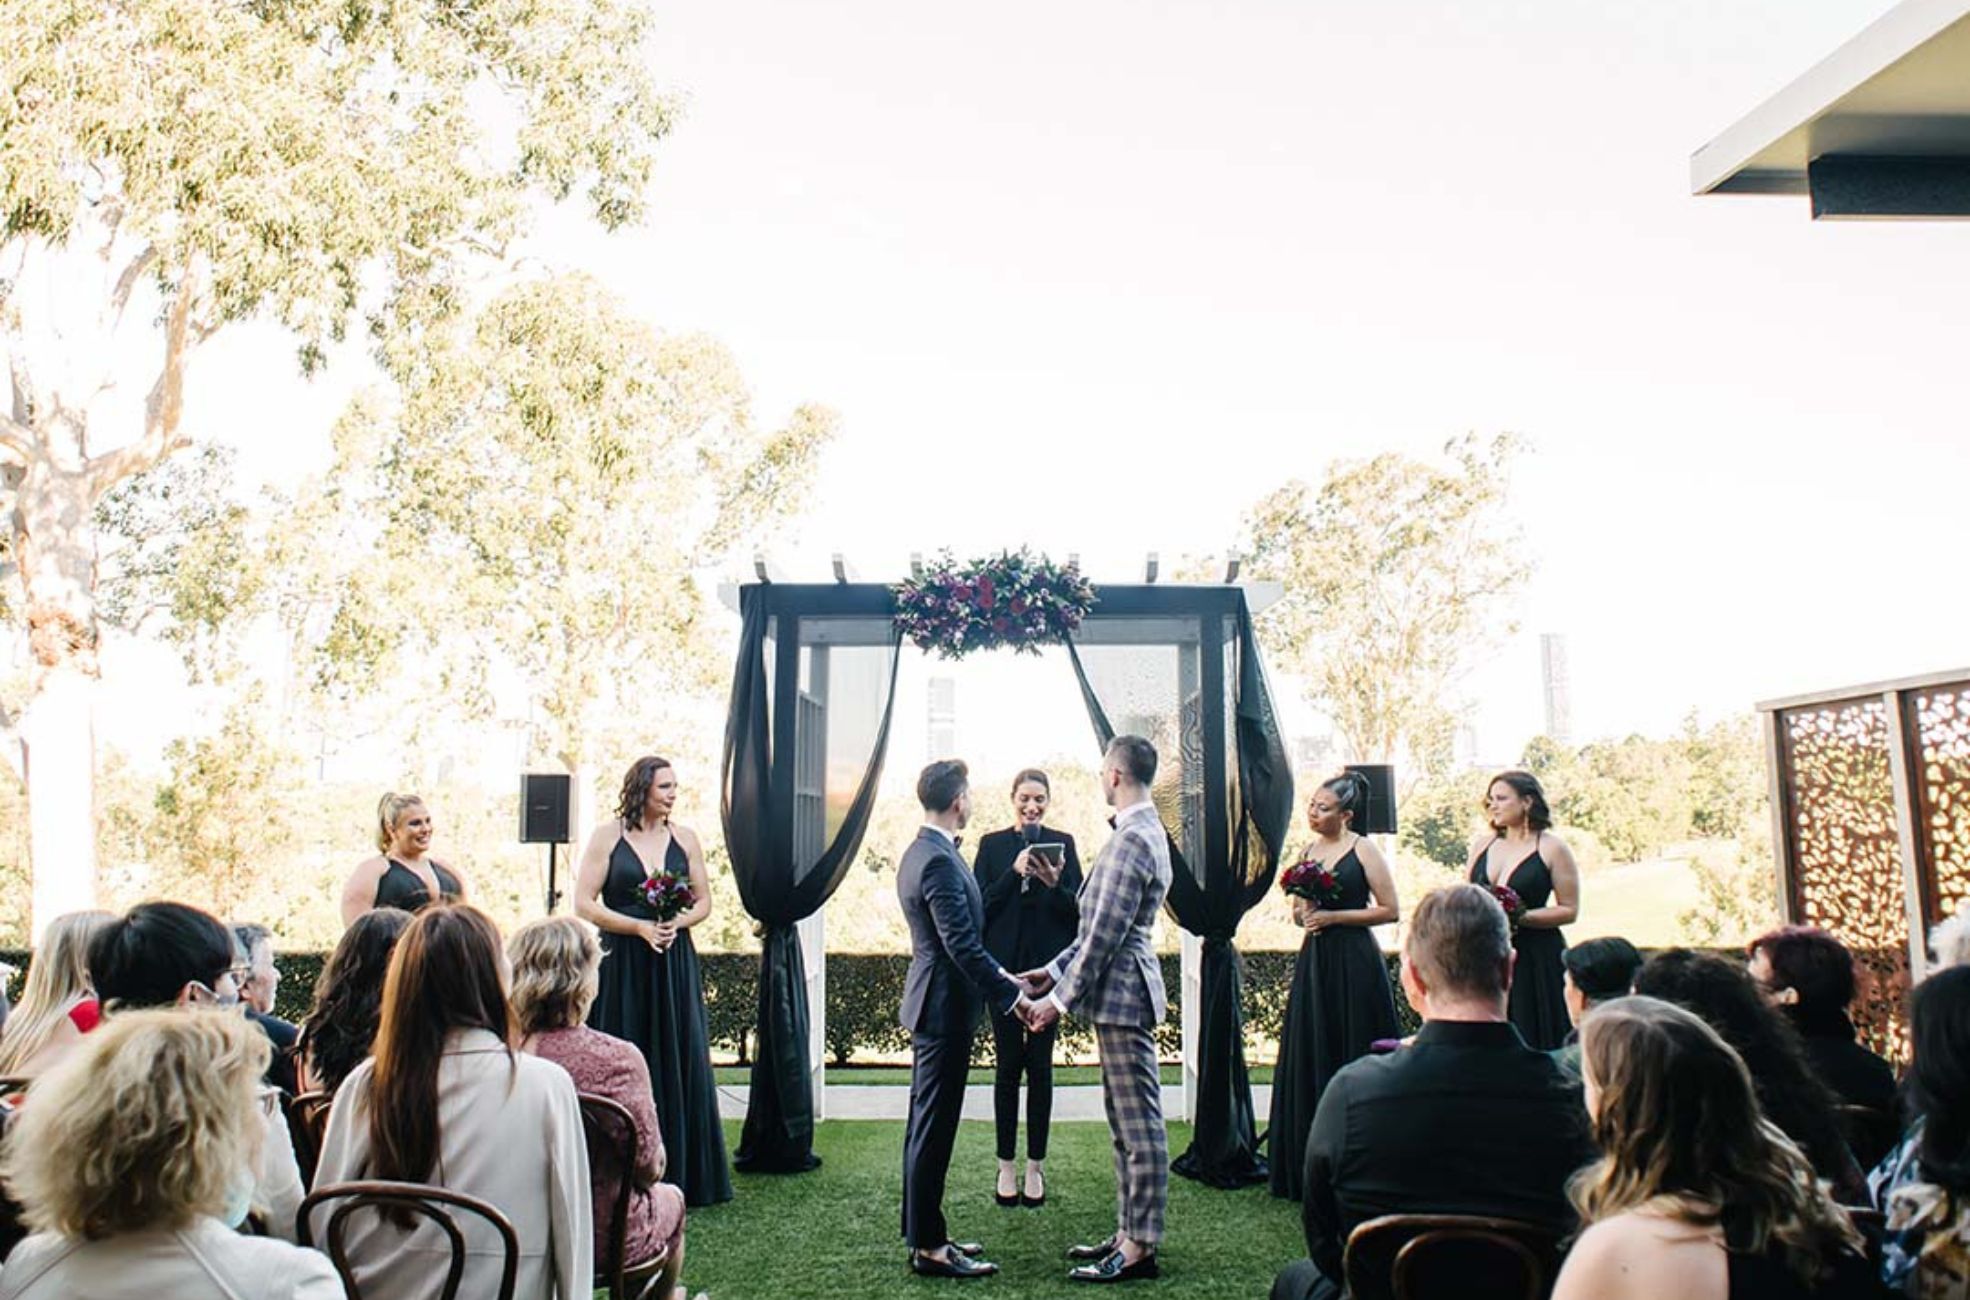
pixel 1380 818
pixel 544 798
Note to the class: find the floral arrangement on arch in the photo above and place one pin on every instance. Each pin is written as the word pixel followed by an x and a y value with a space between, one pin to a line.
pixel 1015 601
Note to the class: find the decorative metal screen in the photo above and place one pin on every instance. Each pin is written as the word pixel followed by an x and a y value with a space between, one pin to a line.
pixel 1872 805
pixel 1846 858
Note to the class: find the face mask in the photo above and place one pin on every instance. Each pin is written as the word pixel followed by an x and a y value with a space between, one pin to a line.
pixel 239 1199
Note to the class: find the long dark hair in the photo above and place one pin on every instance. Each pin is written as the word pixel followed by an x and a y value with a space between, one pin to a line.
pixel 1526 786
pixel 636 783
pixel 444 976
pixel 338 1033
pixel 1938 1084
pixel 1350 791
pixel 1727 998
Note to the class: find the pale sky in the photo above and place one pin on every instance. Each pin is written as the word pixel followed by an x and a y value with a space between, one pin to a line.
pixel 1095 276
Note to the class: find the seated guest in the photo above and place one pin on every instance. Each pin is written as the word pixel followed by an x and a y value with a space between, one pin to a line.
pixel 1597 971
pixel 445 1099
pixel 1465 1120
pixel 131 1168
pixel 1924 1186
pixel 556 963
pixel 1723 994
pixel 57 1006
pixel 1696 1195
pixel 1809 976
pixel 253 947
pixel 337 1034
pixel 170 955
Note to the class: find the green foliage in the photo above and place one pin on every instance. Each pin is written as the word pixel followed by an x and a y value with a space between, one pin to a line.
pixel 175 557
pixel 1399 576
pixel 1439 816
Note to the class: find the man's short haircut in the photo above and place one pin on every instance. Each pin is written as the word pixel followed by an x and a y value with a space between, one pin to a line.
pixel 248 935
pixel 1603 968
pixel 1136 757
pixel 1459 941
pixel 940 784
pixel 145 957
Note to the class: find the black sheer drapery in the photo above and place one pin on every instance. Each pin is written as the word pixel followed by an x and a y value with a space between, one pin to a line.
pixel 1210 902
pixel 779 883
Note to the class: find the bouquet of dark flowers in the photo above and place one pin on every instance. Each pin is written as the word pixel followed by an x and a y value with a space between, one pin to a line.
pixel 668 895
pixel 1508 898
pixel 1312 881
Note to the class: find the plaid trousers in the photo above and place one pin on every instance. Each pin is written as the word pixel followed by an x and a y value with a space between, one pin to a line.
pixel 1132 1090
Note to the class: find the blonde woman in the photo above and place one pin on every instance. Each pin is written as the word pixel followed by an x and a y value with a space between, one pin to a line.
pixel 403 873
pixel 58 1006
pixel 556 964
pixel 1696 1195
pixel 133 1168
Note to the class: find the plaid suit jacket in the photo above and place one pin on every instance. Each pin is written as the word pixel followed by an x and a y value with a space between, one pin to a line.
pixel 1109 975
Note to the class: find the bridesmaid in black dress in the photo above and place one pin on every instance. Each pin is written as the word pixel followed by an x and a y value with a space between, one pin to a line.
pixel 651 993
pixel 1538 866
pixel 1340 1001
pixel 403 874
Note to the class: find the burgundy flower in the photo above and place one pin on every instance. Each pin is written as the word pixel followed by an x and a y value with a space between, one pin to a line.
pixel 986 592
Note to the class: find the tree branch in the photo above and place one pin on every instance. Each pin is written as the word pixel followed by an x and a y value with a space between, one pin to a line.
pixel 165 404
pixel 16 439
pixel 126 283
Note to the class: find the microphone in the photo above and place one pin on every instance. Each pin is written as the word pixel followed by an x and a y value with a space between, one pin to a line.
pixel 1030 832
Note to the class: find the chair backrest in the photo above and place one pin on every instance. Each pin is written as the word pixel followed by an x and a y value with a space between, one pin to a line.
pixel 1473 1257
pixel 307 1124
pixel 419 1201
pixel 611 1133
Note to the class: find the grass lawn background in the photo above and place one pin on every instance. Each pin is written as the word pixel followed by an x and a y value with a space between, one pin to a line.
pixel 1064 1076
pixel 836 1232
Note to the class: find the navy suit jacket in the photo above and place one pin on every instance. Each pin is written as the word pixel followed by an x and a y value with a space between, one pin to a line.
pixel 951 975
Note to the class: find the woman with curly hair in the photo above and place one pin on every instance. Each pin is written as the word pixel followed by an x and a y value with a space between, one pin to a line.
pixel 1696 1194
pixel 134 1167
pixel 337 1035
pixel 1725 996
pixel 651 993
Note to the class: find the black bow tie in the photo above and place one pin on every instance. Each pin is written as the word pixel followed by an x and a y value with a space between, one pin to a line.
pixel 957 841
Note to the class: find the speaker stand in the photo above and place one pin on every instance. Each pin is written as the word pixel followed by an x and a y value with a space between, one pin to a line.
pixel 553 894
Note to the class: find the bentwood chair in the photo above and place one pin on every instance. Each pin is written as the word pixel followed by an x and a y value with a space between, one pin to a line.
pixel 307 1125
pixel 611 1133
pixel 418 1201
pixel 1429 1256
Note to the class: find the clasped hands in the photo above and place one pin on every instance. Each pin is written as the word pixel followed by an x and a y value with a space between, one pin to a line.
pixel 1033 1010
pixel 659 934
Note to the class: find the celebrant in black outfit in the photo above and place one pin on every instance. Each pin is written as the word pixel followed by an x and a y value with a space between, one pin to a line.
pixel 1523 855
pixel 403 873
pixel 651 992
pixel 1031 913
pixel 1340 1001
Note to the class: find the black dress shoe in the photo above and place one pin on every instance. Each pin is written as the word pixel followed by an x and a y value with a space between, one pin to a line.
pixel 1008 1202
pixel 1032 1202
pixel 1103 1251
pixel 958 1265
pixel 971 1248
pixel 1113 1269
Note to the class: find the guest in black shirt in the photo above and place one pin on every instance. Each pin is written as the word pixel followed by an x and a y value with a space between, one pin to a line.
pixel 1031 914
pixel 1809 975
pixel 1465 1120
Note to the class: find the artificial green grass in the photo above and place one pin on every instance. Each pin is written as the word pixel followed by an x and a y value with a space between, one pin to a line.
pixel 1064 1076
pixel 836 1231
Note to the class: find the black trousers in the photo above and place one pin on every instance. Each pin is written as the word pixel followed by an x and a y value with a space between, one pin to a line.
pixel 937 1081
pixel 1029 1056
pixel 1300 1280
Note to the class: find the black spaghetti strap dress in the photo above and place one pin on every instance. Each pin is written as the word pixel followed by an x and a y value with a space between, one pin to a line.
pixel 399 886
pixel 656 1000
pixel 1538 1003
pixel 1340 1002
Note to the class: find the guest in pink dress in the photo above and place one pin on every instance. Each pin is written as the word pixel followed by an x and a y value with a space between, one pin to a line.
pixel 556 962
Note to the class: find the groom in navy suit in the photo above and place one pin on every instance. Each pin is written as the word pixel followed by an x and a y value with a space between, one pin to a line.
pixel 951 978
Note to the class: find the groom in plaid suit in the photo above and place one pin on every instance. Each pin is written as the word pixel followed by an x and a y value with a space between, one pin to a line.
pixel 1110 975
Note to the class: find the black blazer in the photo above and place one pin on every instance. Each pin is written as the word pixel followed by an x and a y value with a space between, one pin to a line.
pixel 280 1071
pixel 1465 1120
pixel 950 971
pixel 1026 929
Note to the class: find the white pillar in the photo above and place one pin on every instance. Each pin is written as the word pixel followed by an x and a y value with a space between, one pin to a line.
pixel 814 954
pixel 1192 980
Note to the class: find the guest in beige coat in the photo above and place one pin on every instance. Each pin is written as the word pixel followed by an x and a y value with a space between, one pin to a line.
pixel 446 1099
pixel 134 1162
